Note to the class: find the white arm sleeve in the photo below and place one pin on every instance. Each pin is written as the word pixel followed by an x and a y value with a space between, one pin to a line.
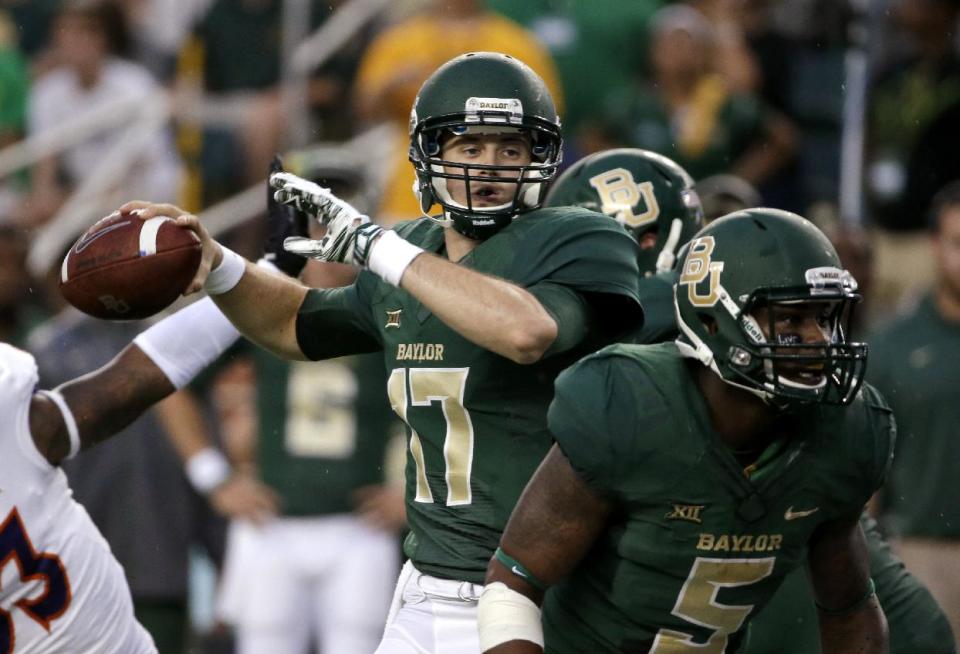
pixel 188 341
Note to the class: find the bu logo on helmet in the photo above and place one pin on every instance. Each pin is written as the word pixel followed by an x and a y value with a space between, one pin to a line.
pixel 619 193
pixel 699 268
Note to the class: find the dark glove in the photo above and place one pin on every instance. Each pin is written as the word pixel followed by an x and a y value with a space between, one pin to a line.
pixel 283 221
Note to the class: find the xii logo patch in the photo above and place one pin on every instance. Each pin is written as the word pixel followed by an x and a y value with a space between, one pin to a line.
pixel 393 319
pixel 688 512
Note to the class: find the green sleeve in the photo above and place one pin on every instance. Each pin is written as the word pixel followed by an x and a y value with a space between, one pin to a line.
pixel 884 427
pixel 335 322
pixel 594 437
pixel 916 621
pixel 570 310
pixel 659 319
pixel 591 254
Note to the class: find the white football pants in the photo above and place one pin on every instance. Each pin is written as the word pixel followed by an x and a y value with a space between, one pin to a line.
pixel 431 616
pixel 326 579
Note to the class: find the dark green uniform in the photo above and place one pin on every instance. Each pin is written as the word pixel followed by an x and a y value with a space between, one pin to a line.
pixel 659 318
pixel 789 623
pixel 915 361
pixel 638 118
pixel 323 431
pixel 478 420
pixel 694 547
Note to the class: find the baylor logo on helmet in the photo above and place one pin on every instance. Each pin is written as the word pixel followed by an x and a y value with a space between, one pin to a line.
pixel 511 106
pixel 698 268
pixel 620 194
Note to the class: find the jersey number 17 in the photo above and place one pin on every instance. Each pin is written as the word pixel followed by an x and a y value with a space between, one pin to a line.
pixel 446 387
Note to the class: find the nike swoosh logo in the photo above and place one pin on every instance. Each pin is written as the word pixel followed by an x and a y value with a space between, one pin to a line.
pixel 517 571
pixel 790 514
pixel 85 242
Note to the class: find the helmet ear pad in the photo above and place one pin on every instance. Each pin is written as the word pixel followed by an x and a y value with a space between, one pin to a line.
pixel 423 190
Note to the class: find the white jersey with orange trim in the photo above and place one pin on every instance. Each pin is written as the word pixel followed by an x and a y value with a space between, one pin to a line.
pixel 61 589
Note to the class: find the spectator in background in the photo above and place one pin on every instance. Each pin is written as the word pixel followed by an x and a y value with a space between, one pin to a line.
pixel 598 46
pixel 14 83
pixel 32 20
pixel 915 362
pixel 14 86
pixel 20 309
pixel 904 100
pixel 89 39
pixel 733 57
pixel 237 57
pixel 723 194
pixel 910 143
pixel 401 58
pixel 688 112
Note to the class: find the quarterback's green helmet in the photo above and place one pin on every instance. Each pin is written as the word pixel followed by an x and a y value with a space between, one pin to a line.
pixel 645 192
pixel 750 283
pixel 483 92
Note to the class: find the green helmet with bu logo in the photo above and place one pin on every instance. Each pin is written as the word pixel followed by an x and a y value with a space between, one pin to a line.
pixel 645 192
pixel 483 92
pixel 767 258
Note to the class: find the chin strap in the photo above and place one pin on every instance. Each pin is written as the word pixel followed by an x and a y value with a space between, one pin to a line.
pixel 667 256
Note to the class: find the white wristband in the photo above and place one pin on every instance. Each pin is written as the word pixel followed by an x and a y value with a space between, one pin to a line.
pixel 207 469
pixel 68 420
pixel 504 615
pixel 227 275
pixel 391 255
pixel 188 341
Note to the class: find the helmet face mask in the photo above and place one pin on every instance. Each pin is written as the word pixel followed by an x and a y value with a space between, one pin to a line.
pixel 763 302
pixel 649 194
pixel 457 100
pixel 786 366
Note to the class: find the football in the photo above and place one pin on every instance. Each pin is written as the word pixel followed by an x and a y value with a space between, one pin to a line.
pixel 127 268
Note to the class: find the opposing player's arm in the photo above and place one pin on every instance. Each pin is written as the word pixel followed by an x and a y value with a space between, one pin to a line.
pixel 162 359
pixel 557 520
pixel 851 619
pixel 100 404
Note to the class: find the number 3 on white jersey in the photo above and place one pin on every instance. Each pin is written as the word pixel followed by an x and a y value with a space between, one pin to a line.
pixel 445 386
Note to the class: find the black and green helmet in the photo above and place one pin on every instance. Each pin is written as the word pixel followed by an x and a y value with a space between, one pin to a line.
pixel 645 192
pixel 767 258
pixel 483 91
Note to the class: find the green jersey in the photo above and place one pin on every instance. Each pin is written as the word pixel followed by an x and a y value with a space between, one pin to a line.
pixel 789 623
pixel 478 420
pixel 659 318
pixel 697 544
pixel 323 430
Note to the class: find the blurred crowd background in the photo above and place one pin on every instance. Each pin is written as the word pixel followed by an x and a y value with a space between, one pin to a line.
pixel 845 112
